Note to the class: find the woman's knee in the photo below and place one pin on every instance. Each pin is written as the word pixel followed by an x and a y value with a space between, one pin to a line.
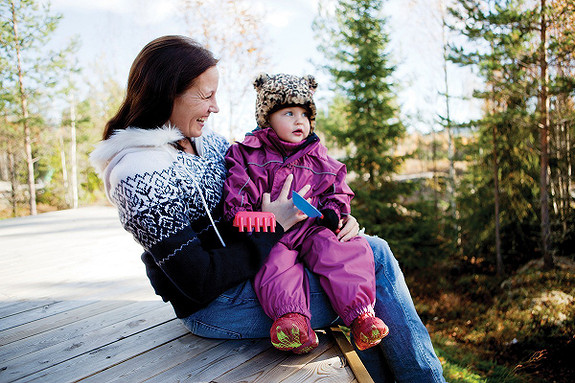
pixel 381 250
pixel 385 261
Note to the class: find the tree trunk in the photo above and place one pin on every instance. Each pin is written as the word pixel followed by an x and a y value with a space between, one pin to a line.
pixel 564 161
pixel 64 170
pixel 435 177
pixel 500 271
pixel 569 175
pixel 25 125
pixel 13 183
pixel 498 255
pixel 450 144
pixel 73 157
pixel 560 174
pixel 544 140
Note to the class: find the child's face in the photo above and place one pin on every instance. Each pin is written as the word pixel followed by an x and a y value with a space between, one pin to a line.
pixel 291 124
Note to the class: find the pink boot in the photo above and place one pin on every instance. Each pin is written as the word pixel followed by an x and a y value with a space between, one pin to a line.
pixel 312 343
pixel 368 330
pixel 290 333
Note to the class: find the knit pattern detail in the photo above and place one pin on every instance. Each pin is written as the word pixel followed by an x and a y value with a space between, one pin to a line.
pixel 163 261
pixel 154 205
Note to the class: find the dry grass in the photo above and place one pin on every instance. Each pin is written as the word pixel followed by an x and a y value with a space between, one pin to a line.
pixel 520 330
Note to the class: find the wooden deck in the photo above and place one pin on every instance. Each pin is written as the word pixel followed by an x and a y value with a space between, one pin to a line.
pixel 75 305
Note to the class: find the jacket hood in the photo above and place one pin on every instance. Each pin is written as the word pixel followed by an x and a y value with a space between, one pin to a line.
pixel 131 138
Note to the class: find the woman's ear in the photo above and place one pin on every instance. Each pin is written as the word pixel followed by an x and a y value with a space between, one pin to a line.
pixel 260 80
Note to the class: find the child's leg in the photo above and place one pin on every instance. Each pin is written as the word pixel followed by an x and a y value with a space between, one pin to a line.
pixel 283 291
pixel 346 270
pixel 238 314
pixel 281 284
pixel 347 273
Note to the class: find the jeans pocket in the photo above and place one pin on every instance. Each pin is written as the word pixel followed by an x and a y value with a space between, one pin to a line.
pixel 199 328
pixel 242 293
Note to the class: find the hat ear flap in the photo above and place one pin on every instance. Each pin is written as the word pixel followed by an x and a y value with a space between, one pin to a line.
pixel 312 83
pixel 260 80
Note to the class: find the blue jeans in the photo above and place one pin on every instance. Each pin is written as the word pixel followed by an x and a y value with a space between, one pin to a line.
pixel 405 355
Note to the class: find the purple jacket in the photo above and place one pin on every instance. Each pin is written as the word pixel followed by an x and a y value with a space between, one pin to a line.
pixel 262 162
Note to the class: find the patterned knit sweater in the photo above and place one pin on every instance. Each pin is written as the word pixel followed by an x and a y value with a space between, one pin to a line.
pixel 170 201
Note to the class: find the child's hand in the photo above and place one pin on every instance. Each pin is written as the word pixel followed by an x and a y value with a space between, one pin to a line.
pixel 330 220
pixel 283 208
pixel 348 228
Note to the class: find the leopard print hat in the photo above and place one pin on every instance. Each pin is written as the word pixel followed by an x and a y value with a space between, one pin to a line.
pixel 281 90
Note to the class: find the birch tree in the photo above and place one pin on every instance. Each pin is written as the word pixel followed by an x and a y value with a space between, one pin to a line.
pixel 561 39
pixel 26 27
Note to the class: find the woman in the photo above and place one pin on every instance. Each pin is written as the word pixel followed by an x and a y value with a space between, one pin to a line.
pixel 165 174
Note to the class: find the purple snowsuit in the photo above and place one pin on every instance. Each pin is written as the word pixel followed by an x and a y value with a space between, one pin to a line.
pixel 261 164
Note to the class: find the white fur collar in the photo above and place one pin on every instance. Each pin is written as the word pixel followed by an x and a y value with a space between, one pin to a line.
pixel 132 138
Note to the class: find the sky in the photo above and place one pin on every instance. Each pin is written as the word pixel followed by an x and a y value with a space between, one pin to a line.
pixel 118 29
pixel 112 32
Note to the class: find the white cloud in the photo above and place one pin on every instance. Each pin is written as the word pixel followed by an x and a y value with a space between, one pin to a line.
pixel 156 12
pixel 114 6
pixel 142 12
pixel 279 18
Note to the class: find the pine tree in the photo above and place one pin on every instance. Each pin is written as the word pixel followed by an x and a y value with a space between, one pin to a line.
pixel 561 39
pixel 508 48
pixel 364 120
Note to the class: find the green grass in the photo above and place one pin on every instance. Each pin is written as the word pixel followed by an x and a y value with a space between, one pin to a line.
pixel 463 366
pixel 488 330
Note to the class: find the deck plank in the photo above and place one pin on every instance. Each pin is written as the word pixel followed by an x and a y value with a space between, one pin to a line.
pixel 273 366
pixel 211 363
pixel 96 360
pixel 156 361
pixel 46 310
pixel 86 342
pixel 324 364
pixel 16 307
pixel 75 304
pixel 327 367
pixel 66 336
pixel 58 320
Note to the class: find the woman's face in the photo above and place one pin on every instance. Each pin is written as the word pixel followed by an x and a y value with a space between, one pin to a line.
pixel 193 107
pixel 291 124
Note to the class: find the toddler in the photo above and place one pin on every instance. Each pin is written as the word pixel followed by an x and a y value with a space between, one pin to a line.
pixel 284 143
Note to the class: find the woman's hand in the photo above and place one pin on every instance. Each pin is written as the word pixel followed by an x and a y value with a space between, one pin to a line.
pixel 283 208
pixel 347 228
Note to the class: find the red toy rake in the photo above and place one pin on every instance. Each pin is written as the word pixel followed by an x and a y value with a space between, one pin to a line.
pixel 255 220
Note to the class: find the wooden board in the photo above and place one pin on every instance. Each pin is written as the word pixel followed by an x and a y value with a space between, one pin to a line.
pixel 75 304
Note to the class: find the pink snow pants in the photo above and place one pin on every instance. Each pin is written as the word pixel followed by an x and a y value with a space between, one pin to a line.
pixel 346 271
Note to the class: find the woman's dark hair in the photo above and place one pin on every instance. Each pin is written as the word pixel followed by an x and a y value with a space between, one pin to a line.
pixel 163 70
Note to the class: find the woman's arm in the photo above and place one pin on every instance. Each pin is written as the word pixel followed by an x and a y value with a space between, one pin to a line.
pixel 203 274
pixel 159 219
